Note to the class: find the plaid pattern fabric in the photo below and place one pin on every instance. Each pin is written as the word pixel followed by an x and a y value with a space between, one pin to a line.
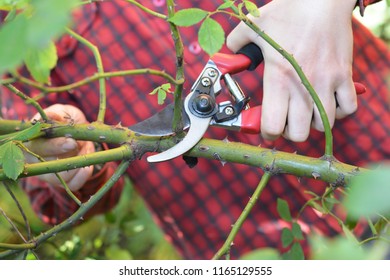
pixel 196 207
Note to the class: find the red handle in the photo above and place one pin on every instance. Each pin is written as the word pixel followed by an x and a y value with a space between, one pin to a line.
pixel 231 63
pixel 250 120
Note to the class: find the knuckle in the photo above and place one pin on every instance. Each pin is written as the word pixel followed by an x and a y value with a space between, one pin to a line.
pixel 271 132
pixel 299 137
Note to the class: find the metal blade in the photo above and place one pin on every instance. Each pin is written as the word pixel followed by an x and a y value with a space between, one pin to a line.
pixel 159 124
pixel 197 129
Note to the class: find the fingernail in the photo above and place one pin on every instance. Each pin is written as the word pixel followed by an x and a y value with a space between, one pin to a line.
pixel 360 88
pixel 69 145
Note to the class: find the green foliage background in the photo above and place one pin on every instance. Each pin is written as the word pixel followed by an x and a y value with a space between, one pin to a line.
pixel 126 232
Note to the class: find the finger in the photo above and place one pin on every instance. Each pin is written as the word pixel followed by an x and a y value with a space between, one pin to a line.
pixel 80 178
pixel 299 118
pixel 63 113
pixel 53 147
pixel 346 99
pixel 275 104
pixel 53 180
pixel 75 178
pixel 238 37
pixel 326 94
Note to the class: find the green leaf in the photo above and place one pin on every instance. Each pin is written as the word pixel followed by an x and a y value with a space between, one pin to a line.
pixel 287 237
pixel 24 135
pixel 211 36
pixel 262 254
pixel 12 160
pixel 283 210
pixel 295 253
pixel 226 5
pixel 161 92
pixel 13 47
pixel 40 62
pixel 297 231
pixel 349 234
pixel 114 252
pixel 252 8
pixel 188 17
pixel 339 248
pixel 48 21
pixel 350 222
pixel 9 5
pixel 369 194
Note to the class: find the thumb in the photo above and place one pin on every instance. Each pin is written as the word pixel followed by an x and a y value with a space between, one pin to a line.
pixel 238 37
pixel 64 113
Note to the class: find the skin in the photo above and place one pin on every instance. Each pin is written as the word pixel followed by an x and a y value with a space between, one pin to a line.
pixel 319 35
pixel 63 147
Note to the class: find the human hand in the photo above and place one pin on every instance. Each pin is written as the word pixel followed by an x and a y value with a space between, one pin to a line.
pixel 319 35
pixel 56 148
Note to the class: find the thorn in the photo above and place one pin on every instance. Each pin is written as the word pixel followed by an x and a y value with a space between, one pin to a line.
pixel 218 157
pixel 315 175
pixel 225 140
pixel 119 125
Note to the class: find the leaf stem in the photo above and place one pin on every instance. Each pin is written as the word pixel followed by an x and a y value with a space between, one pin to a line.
pixel 100 70
pixel 20 208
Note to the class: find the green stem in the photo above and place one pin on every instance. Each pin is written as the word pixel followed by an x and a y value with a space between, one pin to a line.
pixel 331 171
pixel 149 11
pixel 177 124
pixel 100 70
pixel 19 206
pixel 15 228
pixel 25 246
pixel 244 214
pixel 7 81
pixel 28 100
pixel 62 181
pixel 97 76
pixel 77 216
pixel 34 169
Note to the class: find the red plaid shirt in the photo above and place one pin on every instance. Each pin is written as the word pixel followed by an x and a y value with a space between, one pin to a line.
pixel 196 207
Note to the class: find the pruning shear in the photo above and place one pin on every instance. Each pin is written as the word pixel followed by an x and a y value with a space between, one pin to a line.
pixel 201 109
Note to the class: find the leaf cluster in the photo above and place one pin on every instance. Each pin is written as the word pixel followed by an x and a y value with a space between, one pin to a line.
pixel 33 44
